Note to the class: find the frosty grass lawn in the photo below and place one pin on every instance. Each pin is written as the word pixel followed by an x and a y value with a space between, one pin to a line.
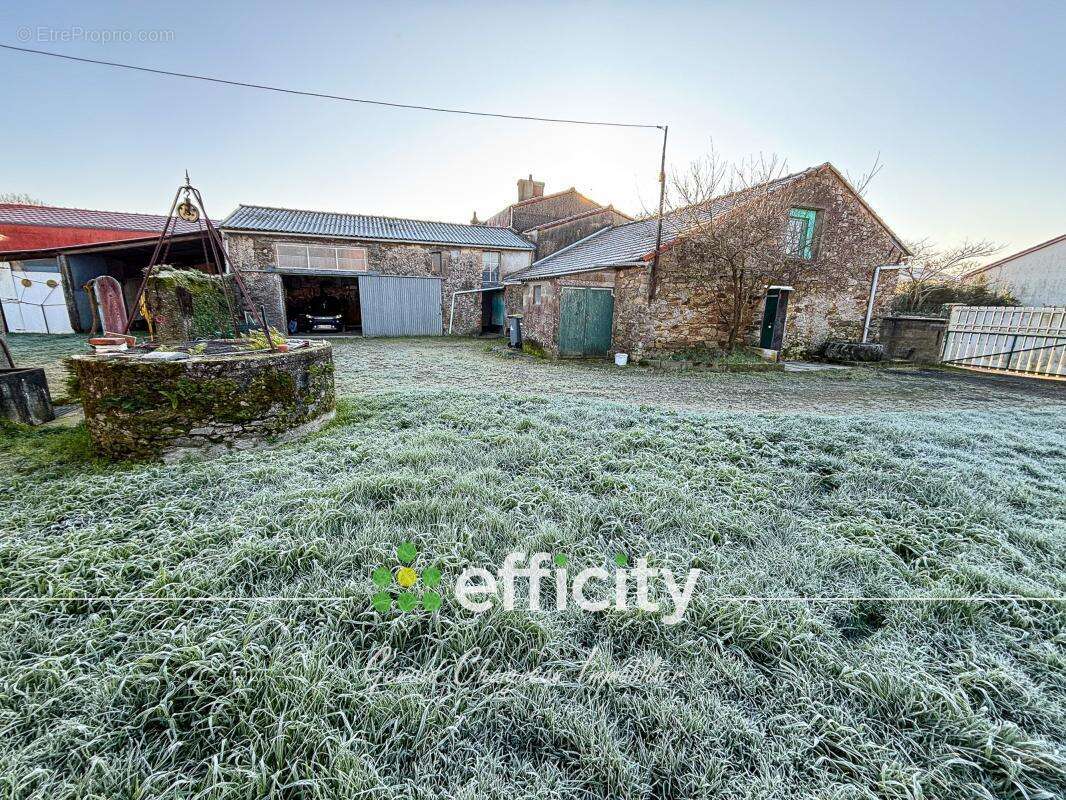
pixel 144 696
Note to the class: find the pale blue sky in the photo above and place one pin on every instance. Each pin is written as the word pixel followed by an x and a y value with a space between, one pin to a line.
pixel 965 102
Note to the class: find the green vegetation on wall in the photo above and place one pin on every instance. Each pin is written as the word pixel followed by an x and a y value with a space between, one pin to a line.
pixel 187 304
pixel 140 410
pixel 932 302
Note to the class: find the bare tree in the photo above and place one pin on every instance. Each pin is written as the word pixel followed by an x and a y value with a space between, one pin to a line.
pixel 735 236
pixel 932 267
pixel 860 183
pixel 20 198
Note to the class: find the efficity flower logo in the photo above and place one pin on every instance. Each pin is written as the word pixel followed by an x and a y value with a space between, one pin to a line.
pixel 407 579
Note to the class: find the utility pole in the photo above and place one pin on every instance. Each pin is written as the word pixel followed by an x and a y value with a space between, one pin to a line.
pixel 653 270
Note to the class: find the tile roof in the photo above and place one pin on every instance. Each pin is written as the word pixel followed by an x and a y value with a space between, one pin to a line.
pixel 361 226
pixel 505 217
pixel 56 217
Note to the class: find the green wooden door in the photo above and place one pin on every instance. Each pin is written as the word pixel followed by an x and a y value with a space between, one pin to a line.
pixel 499 311
pixel 769 320
pixel 585 319
pixel 600 304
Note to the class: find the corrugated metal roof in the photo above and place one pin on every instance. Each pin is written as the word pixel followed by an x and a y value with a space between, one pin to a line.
pixel 361 226
pixel 626 245
pixel 57 217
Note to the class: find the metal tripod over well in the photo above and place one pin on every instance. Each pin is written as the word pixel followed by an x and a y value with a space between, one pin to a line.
pixel 190 208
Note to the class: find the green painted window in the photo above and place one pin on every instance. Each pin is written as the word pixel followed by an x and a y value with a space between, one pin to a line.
pixel 799 237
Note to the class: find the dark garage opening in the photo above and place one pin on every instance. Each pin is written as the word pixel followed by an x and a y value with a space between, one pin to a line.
pixel 309 299
pixel 125 261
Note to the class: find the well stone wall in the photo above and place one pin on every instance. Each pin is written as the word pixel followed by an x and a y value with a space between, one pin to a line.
pixel 137 408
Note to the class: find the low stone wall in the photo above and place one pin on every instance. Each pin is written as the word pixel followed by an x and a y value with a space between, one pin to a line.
pixel 913 338
pixel 142 409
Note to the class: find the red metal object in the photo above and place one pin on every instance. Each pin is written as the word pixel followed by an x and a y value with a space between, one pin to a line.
pixel 14 238
pixel 26 227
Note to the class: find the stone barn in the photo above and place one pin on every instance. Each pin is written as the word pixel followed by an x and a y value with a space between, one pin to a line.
pixel 383 276
pixel 592 297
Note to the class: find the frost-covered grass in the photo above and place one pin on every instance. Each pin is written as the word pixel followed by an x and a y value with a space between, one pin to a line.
pixel 46 350
pixel 245 698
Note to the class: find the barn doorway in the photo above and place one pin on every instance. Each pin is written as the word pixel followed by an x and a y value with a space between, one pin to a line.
pixel 493 312
pixel 322 305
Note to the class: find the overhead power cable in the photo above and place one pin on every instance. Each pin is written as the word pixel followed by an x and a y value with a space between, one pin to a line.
pixel 324 95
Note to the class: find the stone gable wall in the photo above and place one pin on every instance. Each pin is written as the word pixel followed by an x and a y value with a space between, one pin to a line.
pixel 829 303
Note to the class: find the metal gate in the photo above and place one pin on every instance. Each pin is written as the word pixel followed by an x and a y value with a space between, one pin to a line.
pixel 1022 341
pixel 392 306
pixel 585 319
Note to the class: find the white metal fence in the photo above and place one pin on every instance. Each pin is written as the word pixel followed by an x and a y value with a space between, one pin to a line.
pixel 1023 341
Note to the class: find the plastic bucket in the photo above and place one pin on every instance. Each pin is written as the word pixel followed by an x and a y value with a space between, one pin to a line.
pixel 621 359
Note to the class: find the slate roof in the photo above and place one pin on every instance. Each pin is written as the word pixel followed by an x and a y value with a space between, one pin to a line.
pixel 628 245
pixel 624 245
pixel 361 226
pixel 56 217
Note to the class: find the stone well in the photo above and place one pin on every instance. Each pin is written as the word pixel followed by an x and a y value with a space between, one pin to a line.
pixel 144 408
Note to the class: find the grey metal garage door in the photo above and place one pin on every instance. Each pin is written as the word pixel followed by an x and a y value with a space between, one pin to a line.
pixel 400 306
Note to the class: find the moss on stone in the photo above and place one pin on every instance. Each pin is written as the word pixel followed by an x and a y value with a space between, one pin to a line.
pixel 188 304
pixel 139 409
pixel 533 348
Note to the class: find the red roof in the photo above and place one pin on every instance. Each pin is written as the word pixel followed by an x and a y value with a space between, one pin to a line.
pixel 28 227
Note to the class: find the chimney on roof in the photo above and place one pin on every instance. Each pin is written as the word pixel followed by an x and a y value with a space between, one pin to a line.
pixel 529 188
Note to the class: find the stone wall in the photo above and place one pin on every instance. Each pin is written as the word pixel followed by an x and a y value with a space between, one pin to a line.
pixel 266 291
pixel 188 304
pixel 141 409
pixel 829 300
pixel 554 237
pixel 540 323
pixel 529 214
pixel 914 338
pixel 461 268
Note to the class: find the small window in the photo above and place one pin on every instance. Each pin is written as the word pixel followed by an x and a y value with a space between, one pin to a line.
pixel 490 268
pixel 321 257
pixel 351 258
pixel 292 256
pixel 537 295
pixel 799 236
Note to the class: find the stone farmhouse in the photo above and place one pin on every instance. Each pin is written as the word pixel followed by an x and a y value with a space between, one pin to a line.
pixel 556 220
pixel 577 270
pixel 591 298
